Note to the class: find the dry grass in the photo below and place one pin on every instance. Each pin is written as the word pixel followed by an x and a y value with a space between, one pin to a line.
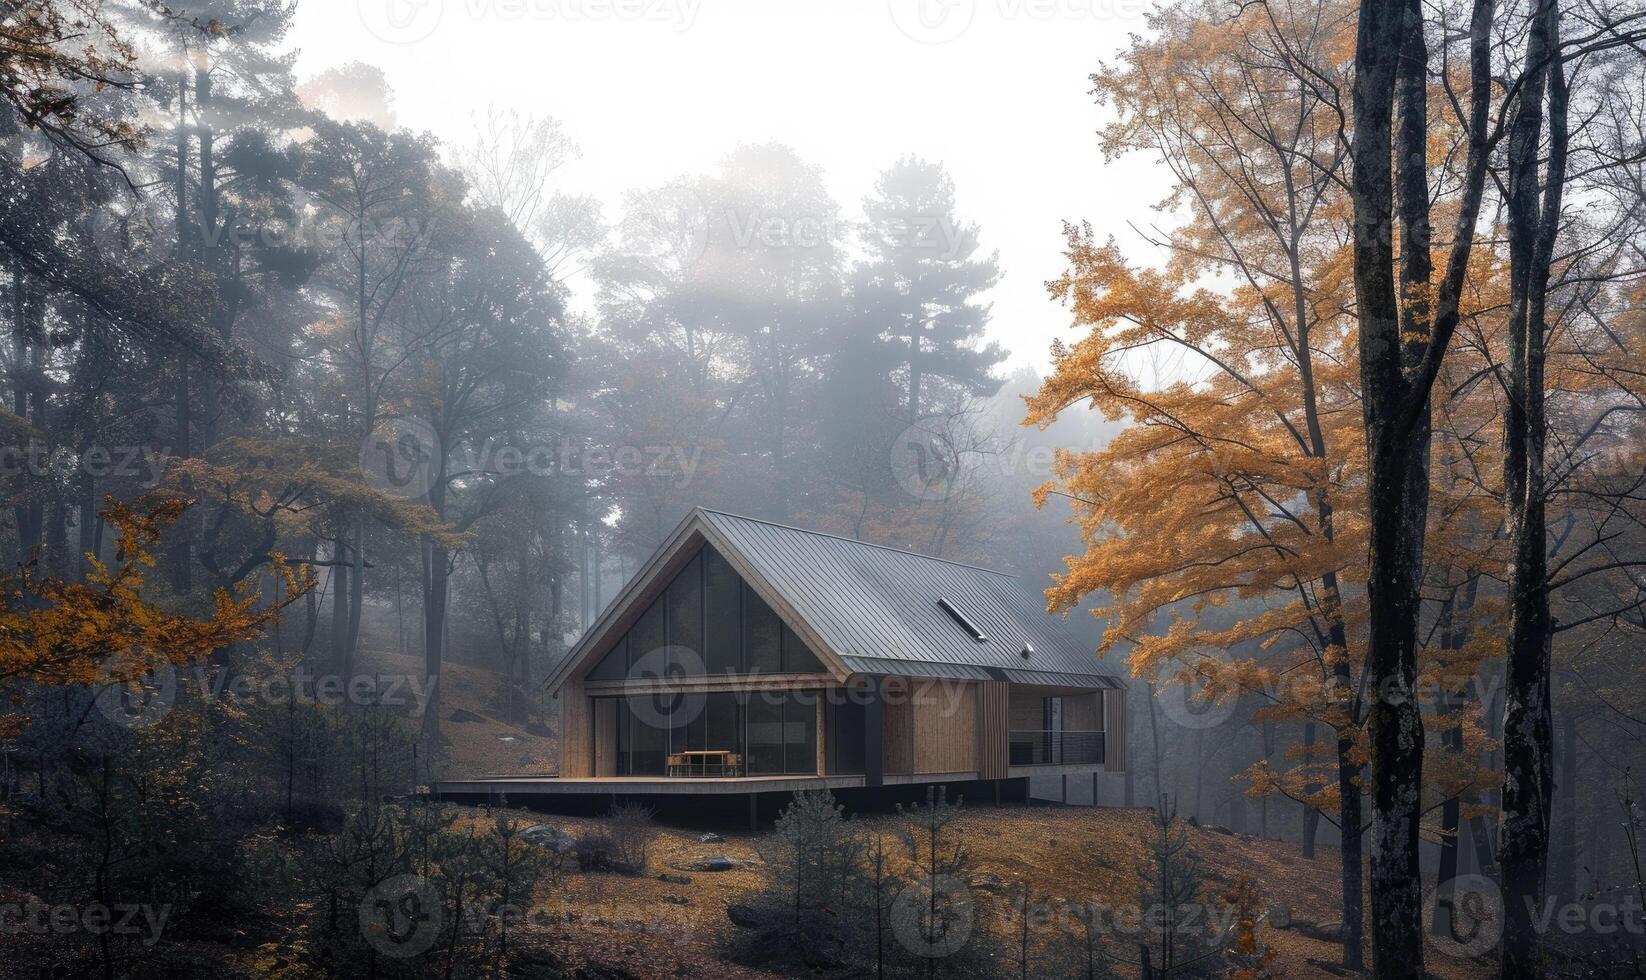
pixel 482 743
pixel 652 928
pixel 657 929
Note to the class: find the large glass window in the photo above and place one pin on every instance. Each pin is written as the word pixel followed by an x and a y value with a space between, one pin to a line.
pixel 710 610
pixel 615 665
pixel 765 735
pixel 642 743
pixel 654 727
pixel 797 657
pixel 782 734
pixel 722 602
pixel 647 637
pixel 762 635
pixel 800 733
pixel 685 627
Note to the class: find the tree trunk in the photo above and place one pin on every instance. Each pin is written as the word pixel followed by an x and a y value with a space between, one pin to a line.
pixel 1533 207
pixel 1564 885
pixel 1311 816
pixel 340 612
pixel 437 578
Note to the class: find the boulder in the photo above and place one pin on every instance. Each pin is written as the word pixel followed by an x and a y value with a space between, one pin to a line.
pixel 674 879
pixel 553 838
pixel 711 839
pixel 1328 932
pixel 715 864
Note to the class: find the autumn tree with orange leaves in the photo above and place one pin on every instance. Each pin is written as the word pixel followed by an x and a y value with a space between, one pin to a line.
pixel 1233 504
pixel 103 630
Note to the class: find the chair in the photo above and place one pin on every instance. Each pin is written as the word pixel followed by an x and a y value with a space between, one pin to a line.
pixel 676 763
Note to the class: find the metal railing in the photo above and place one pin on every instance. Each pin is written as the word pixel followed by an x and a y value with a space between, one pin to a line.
pixel 1055 748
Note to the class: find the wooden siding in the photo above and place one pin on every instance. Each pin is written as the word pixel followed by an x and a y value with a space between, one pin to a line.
pixel 1114 728
pixel 993 721
pixel 605 737
pixel 897 747
pixel 945 726
pixel 576 733
pixel 822 736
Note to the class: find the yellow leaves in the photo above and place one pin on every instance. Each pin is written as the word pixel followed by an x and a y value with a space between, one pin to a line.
pixel 58 632
pixel 301 482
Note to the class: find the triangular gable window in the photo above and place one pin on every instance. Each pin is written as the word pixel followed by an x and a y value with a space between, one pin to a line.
pixel 708 621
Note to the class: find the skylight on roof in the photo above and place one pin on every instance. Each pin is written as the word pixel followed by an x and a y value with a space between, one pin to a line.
pixel 965 624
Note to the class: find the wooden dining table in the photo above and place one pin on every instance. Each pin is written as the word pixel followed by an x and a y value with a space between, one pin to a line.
pixel 704 762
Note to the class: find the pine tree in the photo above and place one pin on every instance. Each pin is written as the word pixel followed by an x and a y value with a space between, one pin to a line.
pixel 921 285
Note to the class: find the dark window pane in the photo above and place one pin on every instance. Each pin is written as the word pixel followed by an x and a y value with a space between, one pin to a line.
pixel 800 733
pixel 723 724
pixel 723 636
pixel 797 658
pixel 614 666
pixel 685 720
pixel 846 734
pixel 685 601
pixel 765 734
pixel 646 638
pixel 762 635
pixel 648 738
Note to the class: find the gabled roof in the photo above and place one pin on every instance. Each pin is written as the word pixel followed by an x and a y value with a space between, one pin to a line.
pixel 869 609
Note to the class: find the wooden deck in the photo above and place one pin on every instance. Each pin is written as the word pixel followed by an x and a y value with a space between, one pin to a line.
pixel 540 785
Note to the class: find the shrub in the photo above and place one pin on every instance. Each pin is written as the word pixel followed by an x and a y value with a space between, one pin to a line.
pixel 632 833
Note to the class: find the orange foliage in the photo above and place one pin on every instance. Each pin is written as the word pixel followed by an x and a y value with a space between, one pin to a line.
pixel 103 629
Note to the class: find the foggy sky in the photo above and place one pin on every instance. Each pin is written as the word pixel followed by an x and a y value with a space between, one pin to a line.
pixel 996 90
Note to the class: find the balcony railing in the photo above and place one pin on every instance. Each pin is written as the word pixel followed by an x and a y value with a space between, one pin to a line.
pixel 1056 748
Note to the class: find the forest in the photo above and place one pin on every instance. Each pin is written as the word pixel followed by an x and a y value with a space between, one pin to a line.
pixel 327 440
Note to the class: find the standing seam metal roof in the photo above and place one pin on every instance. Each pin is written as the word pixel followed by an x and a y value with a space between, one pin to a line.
pixel 877 607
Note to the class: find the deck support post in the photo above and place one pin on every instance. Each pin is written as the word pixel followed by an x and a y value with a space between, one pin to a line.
pixel 1094 789
pixel 754 813
pixel 1065 789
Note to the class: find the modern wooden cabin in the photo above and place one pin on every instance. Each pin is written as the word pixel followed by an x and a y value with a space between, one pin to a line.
pixel 749 658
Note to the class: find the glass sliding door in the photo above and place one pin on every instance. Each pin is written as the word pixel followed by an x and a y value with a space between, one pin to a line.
pixel 703 734
pixel 782 734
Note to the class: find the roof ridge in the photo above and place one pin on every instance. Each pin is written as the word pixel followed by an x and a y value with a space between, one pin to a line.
pixel 858 541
